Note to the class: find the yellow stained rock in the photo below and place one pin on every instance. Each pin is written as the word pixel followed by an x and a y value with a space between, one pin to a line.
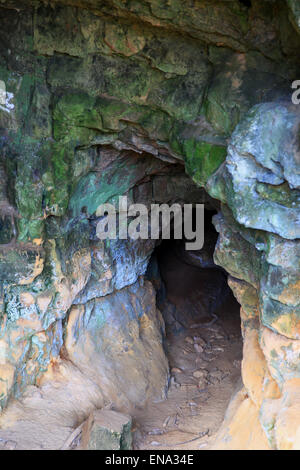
pixel 241 429
pixel 26 299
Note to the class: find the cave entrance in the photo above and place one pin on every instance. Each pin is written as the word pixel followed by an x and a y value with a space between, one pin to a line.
pixel 194 290
pixel 203 344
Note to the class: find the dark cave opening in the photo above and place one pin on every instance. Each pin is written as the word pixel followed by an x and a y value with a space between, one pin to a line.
pixel 191 288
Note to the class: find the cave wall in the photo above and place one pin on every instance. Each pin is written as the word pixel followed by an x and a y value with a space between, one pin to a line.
pixel 112 98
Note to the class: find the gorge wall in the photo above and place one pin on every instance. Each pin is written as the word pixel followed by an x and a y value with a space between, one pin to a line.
pixel 162 101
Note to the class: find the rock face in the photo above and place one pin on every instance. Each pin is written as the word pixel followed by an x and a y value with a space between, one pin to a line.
pixel 118 99
pixel 107 430
pixel 261 220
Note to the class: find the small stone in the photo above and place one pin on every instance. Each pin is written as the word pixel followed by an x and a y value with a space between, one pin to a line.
pixel 198 348
pixel 9 445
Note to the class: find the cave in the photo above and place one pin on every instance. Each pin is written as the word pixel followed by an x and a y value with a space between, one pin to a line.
pixel 203 344
pixel 114 333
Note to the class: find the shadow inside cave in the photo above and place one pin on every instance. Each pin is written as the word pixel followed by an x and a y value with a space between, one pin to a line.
pixel 191 289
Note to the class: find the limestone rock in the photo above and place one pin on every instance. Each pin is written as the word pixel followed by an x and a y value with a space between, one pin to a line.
pixel 114 339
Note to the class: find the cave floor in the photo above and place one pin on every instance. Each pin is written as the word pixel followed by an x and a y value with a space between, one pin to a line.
pixel 205 366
